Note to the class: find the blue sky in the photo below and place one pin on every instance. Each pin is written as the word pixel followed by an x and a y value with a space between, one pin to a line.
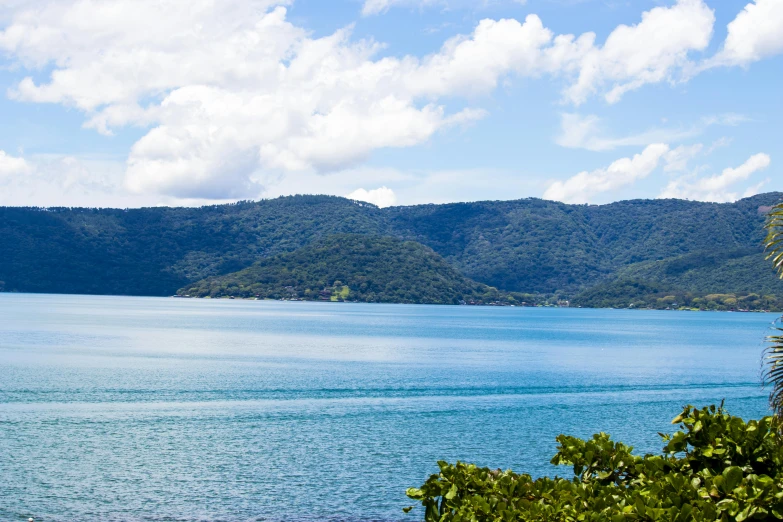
pixel 137 102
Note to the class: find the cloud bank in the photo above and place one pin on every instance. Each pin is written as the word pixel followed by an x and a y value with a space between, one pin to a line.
pixel 718 188
pixel 625 171
pixel 232 94
pixel 10 165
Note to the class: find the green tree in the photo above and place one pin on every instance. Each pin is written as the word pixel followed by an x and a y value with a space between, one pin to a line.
pixel 715 468
pixel 773 374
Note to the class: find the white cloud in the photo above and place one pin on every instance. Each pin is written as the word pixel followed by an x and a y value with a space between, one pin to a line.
pixel 232 92
pixel 677 159
pixel 756 33
pixel 10 165
pixel 380 197
pixel 756 189
pixel 86 181
pixel 649 52
pixel 587 132
pixel 582 187
pixel 582 132
pixel 719 187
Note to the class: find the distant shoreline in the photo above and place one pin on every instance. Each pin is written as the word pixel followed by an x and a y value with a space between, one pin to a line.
pixel 498 305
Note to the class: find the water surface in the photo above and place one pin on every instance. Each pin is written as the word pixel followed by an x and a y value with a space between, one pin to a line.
pixel 122 408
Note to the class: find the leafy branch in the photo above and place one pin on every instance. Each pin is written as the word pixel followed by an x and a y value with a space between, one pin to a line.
pixel 773 353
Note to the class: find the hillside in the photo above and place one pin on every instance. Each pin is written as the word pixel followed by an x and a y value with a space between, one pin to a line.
pixel 736 279
pixel 155 251
pixel 528 245
pixel 737 271
pixel 352 267
pixel 545 246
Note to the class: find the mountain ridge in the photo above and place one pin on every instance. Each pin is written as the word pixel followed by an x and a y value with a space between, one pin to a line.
pixel 527 245
pixel 354 267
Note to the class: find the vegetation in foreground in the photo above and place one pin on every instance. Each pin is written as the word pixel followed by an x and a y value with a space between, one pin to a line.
pixel 717 468
pixel 773 354
pixel 361 268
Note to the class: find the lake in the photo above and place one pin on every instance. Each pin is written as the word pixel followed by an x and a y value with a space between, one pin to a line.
pixel 125 408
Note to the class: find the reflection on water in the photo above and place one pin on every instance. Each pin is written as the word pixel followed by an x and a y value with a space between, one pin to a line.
pixel 120 408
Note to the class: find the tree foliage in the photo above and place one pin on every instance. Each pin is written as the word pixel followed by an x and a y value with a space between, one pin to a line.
pixel 528 245
pixel 773 373
pixel 657 296
pixel 353 267
pixel 715 468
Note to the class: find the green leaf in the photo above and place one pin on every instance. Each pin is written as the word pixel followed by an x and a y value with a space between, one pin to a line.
pixel 732 476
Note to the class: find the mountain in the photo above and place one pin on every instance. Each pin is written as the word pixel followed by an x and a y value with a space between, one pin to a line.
pixel 155 251
pixel 734 271
pixel 728 280
pixel 528 245
pixel 353 267
pixel 545 246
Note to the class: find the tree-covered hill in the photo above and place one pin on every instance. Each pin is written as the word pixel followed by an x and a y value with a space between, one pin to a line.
pixel 735 271
pixel 353 267
pixel 545 246
pixel 729 280
pixel 528 245
pixel 155 251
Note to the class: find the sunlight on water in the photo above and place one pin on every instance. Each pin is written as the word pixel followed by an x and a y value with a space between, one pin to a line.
pixel 120 408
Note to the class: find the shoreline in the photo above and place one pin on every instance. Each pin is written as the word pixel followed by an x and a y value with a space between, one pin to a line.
pixel 494 305
pixel 497 305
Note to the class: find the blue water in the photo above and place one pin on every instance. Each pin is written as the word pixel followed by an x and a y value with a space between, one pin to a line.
pixel 119 408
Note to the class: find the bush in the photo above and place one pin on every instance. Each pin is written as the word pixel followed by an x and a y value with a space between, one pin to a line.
pixel 717 468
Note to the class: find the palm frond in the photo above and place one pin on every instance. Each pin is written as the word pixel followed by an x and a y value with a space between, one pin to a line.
pixel 773 353
pixel 773 370
pixel 774 242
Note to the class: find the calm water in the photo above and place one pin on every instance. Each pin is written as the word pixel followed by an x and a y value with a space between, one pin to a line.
pixel 117 408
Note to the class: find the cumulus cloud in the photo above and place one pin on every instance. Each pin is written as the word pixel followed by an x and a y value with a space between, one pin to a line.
pixel 232 91
pixel 380 197
pixel 718 188
pixel 649 52
pixel 86 181
pixel 756 33
pixel 677 159
pixel 10 165
pixel 625 171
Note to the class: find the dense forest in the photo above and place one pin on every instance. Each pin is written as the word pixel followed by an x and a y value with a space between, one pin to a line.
pixel 354 267
pixel 529 245
pixel 643 294
pixel 730 280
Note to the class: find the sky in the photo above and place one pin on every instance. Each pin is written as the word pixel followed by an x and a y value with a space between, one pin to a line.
pixel 129 103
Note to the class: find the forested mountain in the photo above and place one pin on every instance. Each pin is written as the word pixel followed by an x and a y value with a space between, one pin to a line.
pixel 155 251
pixel 528 245
pixel 545 246
pixel 354 267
